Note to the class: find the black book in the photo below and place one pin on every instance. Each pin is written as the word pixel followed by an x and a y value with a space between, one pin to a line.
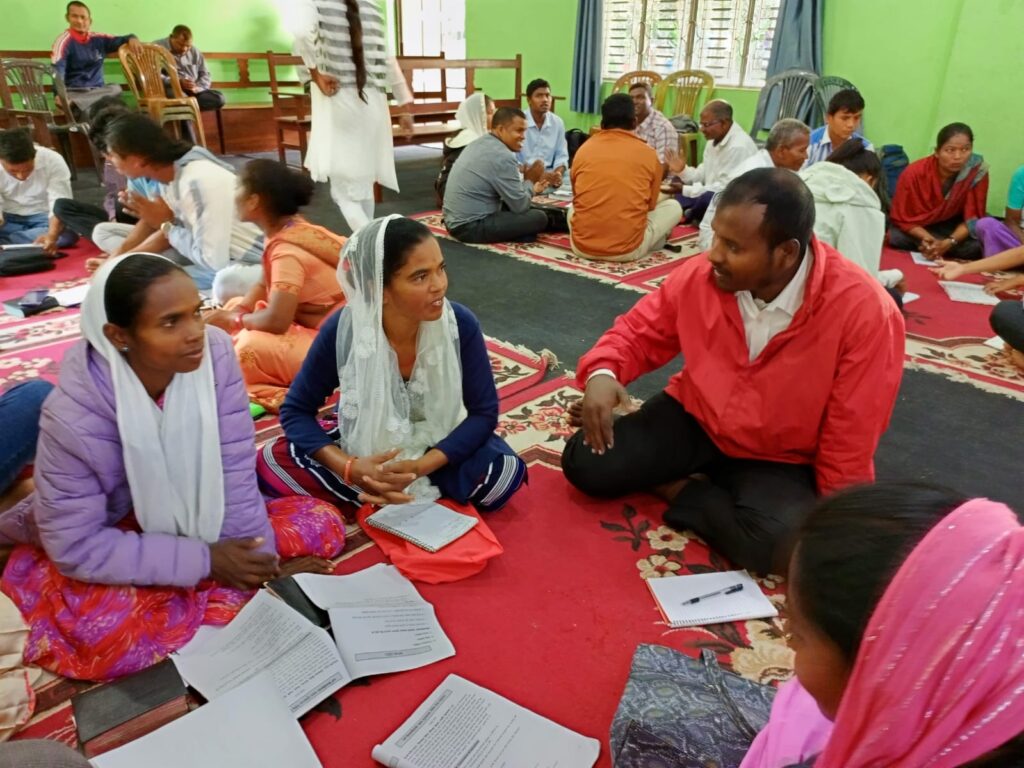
pixel 288 590
pixel 123 710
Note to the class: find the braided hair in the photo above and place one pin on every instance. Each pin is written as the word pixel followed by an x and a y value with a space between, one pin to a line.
pixel 355 31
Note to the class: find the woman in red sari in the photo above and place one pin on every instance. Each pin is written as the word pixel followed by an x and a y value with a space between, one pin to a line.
pixel 940 198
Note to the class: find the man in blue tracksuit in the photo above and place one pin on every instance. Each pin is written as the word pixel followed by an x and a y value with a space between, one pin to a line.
pixel 78 55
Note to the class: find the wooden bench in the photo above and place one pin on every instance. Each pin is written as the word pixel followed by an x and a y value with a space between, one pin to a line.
pixel 433 109
pixel 247 73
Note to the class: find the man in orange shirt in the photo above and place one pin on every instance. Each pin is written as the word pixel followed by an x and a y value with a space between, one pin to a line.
pixel 616 182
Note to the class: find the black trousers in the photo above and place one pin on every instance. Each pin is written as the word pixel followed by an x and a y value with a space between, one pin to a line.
pixel 968 250
pixel 747 510
pixel 81 217
pixel 1007 320
pixel 502 226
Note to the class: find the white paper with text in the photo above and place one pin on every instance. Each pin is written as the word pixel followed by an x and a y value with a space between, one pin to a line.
pixel 461 724
pixel 266 635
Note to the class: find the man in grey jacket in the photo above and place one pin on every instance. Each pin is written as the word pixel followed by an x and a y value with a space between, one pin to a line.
pixel 487 199
pixel 192 72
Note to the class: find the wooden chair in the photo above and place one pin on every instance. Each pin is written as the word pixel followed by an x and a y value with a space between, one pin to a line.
pixel 291 109
pixel 25 81
pixel 791 91
pixel 146 73
pixel 685 88
pixel 639 76
pixel 825 88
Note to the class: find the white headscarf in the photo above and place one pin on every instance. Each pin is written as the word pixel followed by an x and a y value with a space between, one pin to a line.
pixel 171 455
pixel 378 411
pixel 472 116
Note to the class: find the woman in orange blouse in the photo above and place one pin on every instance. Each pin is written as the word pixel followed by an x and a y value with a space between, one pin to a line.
pixel 275 324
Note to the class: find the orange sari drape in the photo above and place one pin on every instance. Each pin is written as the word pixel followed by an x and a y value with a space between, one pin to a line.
pixel 301 259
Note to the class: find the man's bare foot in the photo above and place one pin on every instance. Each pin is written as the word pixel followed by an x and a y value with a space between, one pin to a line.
pixel 16 493
pixel 668 491
pixel 1016 357
pixel 306 565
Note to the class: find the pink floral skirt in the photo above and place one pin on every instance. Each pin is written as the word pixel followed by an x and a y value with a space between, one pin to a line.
pixel 102 631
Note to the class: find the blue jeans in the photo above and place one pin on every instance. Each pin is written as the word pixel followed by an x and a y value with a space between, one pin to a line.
pixel 19 229
pixel 19 413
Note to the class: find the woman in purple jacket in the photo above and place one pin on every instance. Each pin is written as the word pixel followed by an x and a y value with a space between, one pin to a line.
pixel 147 521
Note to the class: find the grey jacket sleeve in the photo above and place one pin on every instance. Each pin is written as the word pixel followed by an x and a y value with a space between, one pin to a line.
pixel 514 191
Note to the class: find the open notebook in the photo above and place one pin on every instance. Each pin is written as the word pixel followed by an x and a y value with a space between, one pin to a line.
pixel 427 525
pixel 673 595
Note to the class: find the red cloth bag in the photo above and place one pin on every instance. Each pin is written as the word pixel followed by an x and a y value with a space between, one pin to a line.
pixel 462 558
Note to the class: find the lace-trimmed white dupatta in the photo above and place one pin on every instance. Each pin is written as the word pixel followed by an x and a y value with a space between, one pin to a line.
pixel 378 411
pixel 172 454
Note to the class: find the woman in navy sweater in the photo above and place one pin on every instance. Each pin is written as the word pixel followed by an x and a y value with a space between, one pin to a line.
pixel 418 404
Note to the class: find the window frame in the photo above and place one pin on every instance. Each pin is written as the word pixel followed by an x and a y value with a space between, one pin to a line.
pixel 688 46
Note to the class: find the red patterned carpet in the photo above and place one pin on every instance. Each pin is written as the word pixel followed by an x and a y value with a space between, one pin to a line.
pixel 552 623
pixel 948 337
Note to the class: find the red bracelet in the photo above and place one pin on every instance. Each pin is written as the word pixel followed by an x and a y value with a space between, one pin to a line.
pixel 347 474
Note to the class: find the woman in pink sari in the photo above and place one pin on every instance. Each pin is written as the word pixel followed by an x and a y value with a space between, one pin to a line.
pixel 275 324
pixel 906 614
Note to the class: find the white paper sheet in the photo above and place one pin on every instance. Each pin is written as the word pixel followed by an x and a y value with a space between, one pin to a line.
pixel 267 635
pixel 463 724
pixel 920 258
pixel 249 726
pixel 378 582
pixel 379 639
pixel 380 622
pixel 996 343
pixel 909 297
pixel 71 297
pixel 968 293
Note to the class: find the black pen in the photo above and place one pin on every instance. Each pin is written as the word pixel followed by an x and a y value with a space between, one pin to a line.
pixel 724 591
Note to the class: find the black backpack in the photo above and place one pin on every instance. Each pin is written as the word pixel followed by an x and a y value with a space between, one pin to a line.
pixel 574 140
pixel 25 261
pixel 894 161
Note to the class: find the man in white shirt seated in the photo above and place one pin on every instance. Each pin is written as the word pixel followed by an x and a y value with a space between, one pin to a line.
pixel 727 146
pixel 545 134
pixel 793 361
pixel 652 126
pixel 32 179
pixel 786 147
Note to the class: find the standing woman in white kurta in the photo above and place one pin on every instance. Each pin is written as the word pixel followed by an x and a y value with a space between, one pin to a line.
pixel 343 43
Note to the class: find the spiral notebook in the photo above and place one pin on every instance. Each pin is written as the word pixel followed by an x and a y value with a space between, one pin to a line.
pixel 674 593
pixel 427 525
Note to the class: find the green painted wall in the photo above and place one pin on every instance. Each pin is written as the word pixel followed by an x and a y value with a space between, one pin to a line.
pixel 224 25
pixel 934 62
pixel 237 26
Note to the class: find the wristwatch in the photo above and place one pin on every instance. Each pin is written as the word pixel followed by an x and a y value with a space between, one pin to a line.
pixel 167 226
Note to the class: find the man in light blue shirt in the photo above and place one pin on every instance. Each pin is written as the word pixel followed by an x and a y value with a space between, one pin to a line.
pixel 545 134
pixel 842 118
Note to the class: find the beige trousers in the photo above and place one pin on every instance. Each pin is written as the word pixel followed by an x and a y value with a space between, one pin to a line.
pixel 660 223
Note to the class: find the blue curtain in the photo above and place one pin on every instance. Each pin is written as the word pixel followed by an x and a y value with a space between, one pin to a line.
pixel 797 43
pixel 586 63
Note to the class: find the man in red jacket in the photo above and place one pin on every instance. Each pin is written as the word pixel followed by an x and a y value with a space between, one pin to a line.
pixel 793 360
